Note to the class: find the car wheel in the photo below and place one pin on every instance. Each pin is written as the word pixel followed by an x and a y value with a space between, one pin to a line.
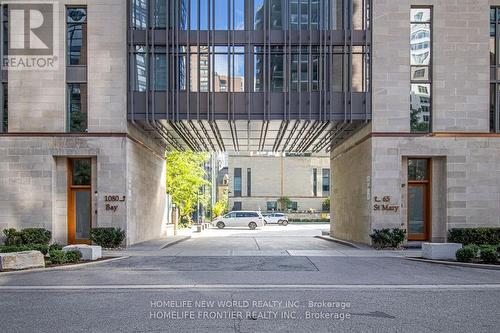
pixel 284 223
pixel 220 225
pixel 252 225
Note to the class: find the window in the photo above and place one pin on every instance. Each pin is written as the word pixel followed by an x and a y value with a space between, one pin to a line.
pixel 249 182
pixel 326 182
pixel 228 69
pixel 272 206
pixel 159 18
pixel 160 68
pixel 421 69
pixel 4 111
pixel 76 35
pixel 277 74
pixel 495 68
pixel 315 182
pixel 418 169
pixel 300 14
pixel 237 182
pixel 77 107
pixel 236 206
pixel 81 174
pixel 140 76
pixel 139 13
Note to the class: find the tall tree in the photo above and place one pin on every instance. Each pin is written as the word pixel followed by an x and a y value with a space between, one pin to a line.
pixel 185 177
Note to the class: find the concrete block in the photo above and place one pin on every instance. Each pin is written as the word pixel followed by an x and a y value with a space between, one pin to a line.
pixel 440 251
pixel 21 260
pixel 89 252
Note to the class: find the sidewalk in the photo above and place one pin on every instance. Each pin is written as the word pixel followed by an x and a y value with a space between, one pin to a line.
pixel 151 247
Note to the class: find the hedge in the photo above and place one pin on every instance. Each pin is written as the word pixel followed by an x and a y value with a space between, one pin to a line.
pixel 27 236
pixel 107 237
pixel 478 236
pixel 388 238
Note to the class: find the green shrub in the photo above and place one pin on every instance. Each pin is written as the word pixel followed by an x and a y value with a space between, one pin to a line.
pixel 489 255
pixel 73 256
pixel 36 236
pixel 55 246
pixel 14 248
pixel 44 248
pixel 20 248
pixel 479 236
pixel 57 257
pixel 466 254
pixel 388 238
pixel 12 237
pixel 107 237
pixel 27 236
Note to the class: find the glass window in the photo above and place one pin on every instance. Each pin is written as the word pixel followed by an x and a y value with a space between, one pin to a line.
pixel 418 169
pixel 494 63
pixel 304 72
pixel 337 72
pixel 238 15
pixel 76 35
pixel 277 15
pixel 272 206
pixel 304 14
pixel 315 182
pixel 258 69
pixel 140 76
pixel 237 182
pixel 77 107
pixel 81 172
pixel 277 74
pixel 160 69
pixel 421 70
pixel 238 72
pixel 237 206
pixel 420 106
pixel 182 69
pixel 139 14
pixel 258 19
pixel 193 14
pixel 493 108
pixel 4 119
pixel 203 13
pixel 220 8
pixel 183 14
pixel 294 14
pixel 315 14
pixel 294 72
pixel 326 182
pixel 249 182
pixel 159 14
pixel 220 72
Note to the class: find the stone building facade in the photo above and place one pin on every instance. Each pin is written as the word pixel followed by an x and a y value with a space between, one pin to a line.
pixel 372 187
pixel 257 182
pixel 37 151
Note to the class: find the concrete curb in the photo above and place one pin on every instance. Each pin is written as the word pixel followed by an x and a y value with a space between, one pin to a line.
pixel 177 241
pixel 455 263
pixel 336 240
pixel 48 269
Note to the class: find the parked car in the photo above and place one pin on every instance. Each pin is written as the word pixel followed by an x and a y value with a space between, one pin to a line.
pixel 276 218
pixel 250 219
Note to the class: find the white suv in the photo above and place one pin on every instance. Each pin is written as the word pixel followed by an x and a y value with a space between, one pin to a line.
pixel 250 219
pixel 277 218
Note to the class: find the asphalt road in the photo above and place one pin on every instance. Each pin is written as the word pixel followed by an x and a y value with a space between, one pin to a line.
pixel 209 284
